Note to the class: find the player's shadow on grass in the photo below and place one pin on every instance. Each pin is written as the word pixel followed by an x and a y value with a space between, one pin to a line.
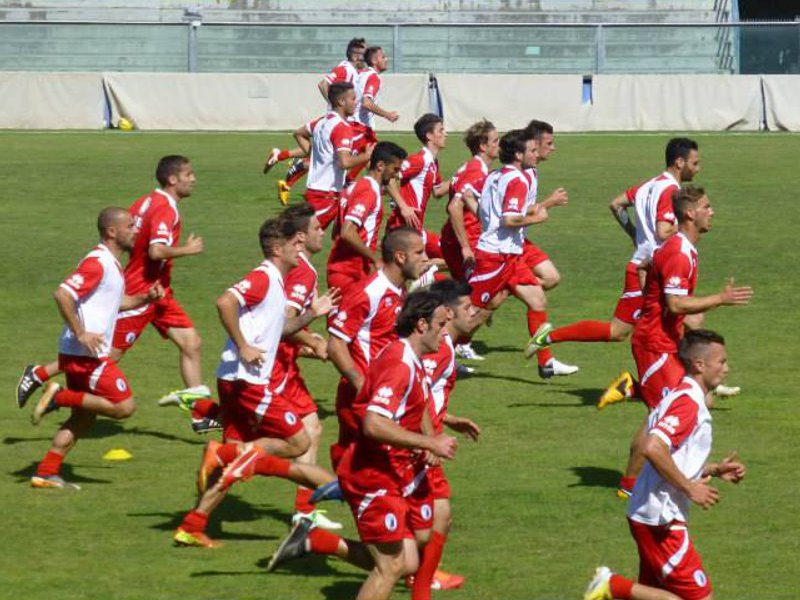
pixel 312 565
pixel 482 348
pixel 105 428
pixel 596 477
pixel 67 472
pixel 484 375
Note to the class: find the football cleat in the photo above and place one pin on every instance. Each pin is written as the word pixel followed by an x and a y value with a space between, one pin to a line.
pixel 726 391
pixel 243 467
pixel 205 425
pixel 210 467
pixel 463 370
pixel 624 494
pixel 184 399
pixel 467 352
pixel 539 340
pixel 441 581
pixel 284 192
pixel 46 403
pixel 26 385
pixel 181 537
pixel 620 389
pixel 52 481
pixel 319 519
pixel 555 368
pixel 294 546
pixel 272 159
pixel 296 170
pixel 327 491
pixel 599 587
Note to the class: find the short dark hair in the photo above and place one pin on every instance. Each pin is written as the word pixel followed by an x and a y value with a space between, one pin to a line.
pixel 684 199
pixel 299 215
pixel 537 129
pixel 695 339
pixel 386 152
pixel 337 90
pixel 369 53
pixel 678 148
pixel 275 231
pixel 418 305
pixel 109 217
pixel 353 45
pixel 425 125
pixel 397 240
pixel 477 134
pixel 168 166
pixel 512 142
pixel 450 291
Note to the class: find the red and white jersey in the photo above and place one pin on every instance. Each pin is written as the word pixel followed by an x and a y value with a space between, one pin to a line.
pixel 157 218
pixel 262 314
pixel 683 422
pixel 366 318
pixel 533 179
pixel 652 202
pixel 673 272
pixel 329 134
pixel 440 368
pixel 368 85
pixel 97 286
pixel 395 388
pixel 470 176
pixel 419 173
pixel 344 72
pixel 505 193
pixel 361 205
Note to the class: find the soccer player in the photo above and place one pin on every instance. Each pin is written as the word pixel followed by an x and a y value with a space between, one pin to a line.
pixel 668 299
pixel 364 324
pixel 348 69
pixel 676 475
pixel 88 301
pixel 260 427
pixel 355 236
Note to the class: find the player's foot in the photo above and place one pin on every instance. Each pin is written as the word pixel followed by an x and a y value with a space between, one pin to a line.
pixel 284 192
pixel 442 580
pixel 319 519
pixel 243 467
pixel 624 494
pixel 185 398
pixel 620 389
pixel 46 403
pixel 181 537
pixel 463 370
pixel 205 425
pixel 297 169
pixel 599 588
pixel 727 391
pixel 294 546
pixel 210 467
pixel 467 352
pixel 26 385
pixel 327 491
pixel 52 481
pixel 539 340
pixel 555 368
pixel 272 159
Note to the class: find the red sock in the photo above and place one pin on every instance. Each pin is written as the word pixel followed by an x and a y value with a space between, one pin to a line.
pixel 620 587
pixel 323 542
pixel 40 374
pixel 50 465
pixel 535 320
pixel 269 466
pixel 195 521
pixel 68 398
pixel 205 408
pixel 582 331
pixel 284 155
pixel 627 483
pixel 228 453
pixel 431 556
pixel 301 498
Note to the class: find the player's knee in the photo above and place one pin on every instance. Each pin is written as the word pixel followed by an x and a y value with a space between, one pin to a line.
pixel 619 335
pixel 124 410
pixel 314 430
pixel 552 280
pixel 191 344
pixel 298 444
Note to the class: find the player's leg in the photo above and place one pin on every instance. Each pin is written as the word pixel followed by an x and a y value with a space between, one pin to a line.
pixel 611 586
pixel 389 559
pixel 189 345
pixel 276 155
pixel 534 298
pixel 431 553
pixel 636 461
pixel 32 378
pixel 547 274
pixel 48 471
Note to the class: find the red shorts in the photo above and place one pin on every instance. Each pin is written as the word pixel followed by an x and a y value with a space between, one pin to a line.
pixel 629 305
pixel 451 252
pixel 250 411
pixel 432 247
pixel 532 255
pixel 98 376
pixel 497 272
pixel 437 480
pixel 420 509
pixel 363 136
pixel 326 205
pixel 297 396
pixel 668 560
pixel 380 518
pixel 163 314
pixel 659 373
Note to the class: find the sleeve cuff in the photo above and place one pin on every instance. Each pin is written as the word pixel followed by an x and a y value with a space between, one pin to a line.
pixel 159 241
pixel 662 436
pixel 72 292
pixel 676 291
pixel 355 220
pixel 294 304
pixel 238 295
pixel 380 411
pixel 340 334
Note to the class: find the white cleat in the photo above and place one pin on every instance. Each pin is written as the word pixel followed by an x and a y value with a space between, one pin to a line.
pixel 555 368
pixel 599 588
pixel 272 159
pixel 467 352
pixel 424 280
pixel 727 391
pixel 319 519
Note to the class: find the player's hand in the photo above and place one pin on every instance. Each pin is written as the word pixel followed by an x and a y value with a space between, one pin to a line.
pixel 251 355
pixel 325 303
pixel 368 150
pixel 410 217
pixel 194 244
pixel 319 347
pixel 731 295
pixel 468 259
pixel 558 198
pixel 156 292
pixel 431 459
pixel 444 445
pixel 392 116
pixel 730 469
pixel 465 426
pixel 92 341
pixel 703 494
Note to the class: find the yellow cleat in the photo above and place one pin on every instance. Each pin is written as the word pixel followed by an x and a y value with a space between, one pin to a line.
pixel 198 539
pixel 620 389
pixel 284 192
pixel 599 588
pixel 210 467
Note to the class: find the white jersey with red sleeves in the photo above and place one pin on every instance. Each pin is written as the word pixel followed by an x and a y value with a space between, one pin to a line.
pixel 329 135
pixel 366 318
pixel 469 177
pixel 157 218
pixel 344 72
pixel 533 181
pixel 652 202
pixel 419 173
pixel 368 85
pixel 262 314
pixel 396 388
pixel 673 272
pixel 505 193
pixel 440 368
pixel 97 286
pixel 683 422
pixel 361 205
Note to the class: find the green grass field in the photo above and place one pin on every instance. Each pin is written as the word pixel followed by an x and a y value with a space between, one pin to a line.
pixel 534 508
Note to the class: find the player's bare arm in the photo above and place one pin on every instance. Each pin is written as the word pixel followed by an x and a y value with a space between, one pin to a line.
pixel 312 344
pixel 320 307
pixel 728 469
pixel 194 245
pixel 303 139
pixel 729 296
pixel 389 115
pixel 339 355
pixel 228 309
pixel 323 86
pixel 408 213
pixel 522 220
pixel 441 189
pixel 384 430
pixel 156 292
pixel 665 229
pixel 68 309
pixel 346 160
pixel 619 209
pixel 658 454
pixel 349 234
pixel 456 211
pixel 463 425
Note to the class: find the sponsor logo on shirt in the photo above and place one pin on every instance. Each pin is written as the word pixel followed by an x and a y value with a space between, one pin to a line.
pixel 405 165
pixel 243 286
pixel 674 282
pixel 340 318
pixel 513 203
pixel 359 210
pixel 669 424
pixel 383 395
pixel 347 142
pixel 163 229
pixel 430 366
pixel 299 291
pixel 76 281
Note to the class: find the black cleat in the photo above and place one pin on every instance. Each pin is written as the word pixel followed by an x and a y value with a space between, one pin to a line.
pixel 27 385
pixel 294 546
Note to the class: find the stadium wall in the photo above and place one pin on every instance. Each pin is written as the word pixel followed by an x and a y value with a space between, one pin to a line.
pixel 242 102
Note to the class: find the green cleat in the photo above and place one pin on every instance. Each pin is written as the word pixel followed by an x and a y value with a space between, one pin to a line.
pixel 185 398
pixel 539 340
pixel 599 588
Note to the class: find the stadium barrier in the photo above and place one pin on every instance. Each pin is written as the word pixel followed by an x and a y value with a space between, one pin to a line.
pixel 259 102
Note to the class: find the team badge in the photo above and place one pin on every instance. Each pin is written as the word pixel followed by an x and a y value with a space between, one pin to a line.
pixel 121 385
pixel 426 512
pixel 290 418
pixel 390 521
